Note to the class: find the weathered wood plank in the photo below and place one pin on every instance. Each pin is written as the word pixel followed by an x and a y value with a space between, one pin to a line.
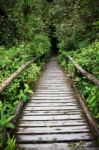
pixel 51 113
pixel 52 123
pixel 55 111
pixel 53 98
pixel 54 137
pixel 52 87
pixel 59 117
pixel 53 146
pixel 43 130
pixel 50 104
pixel 53 90
pixel 59 146
pixel 53 101
pixel 52 108
pixel 53 95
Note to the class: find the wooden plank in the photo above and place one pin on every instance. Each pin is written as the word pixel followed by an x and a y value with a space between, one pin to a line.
pixel 50 104
pixel 37 113
pixel 46 83
pixel 53 146
pixel 52 123
pixel 59 117
pixel 55 111
pixel 53 108
pixel 52 98
pixel 52 87
pixel 59 146
pixel 49 78
pixel 49 130
pixel 50 82
pixel 53 90
pixel 46 113
pixel 54 137
pixel 54 101
pixel 54 94
pixel 58 82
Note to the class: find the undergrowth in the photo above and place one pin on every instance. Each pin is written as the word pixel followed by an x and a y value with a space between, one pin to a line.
pixel 22 87
pixel 88 58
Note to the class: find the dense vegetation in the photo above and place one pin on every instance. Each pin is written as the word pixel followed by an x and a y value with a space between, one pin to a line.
pixel 25 28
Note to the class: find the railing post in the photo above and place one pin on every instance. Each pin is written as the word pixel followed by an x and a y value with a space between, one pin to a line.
pixel 74 73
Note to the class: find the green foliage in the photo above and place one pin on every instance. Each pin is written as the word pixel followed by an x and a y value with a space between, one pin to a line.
pixel 21 88
pixel 21 20
pixel 88 58
pixel 75 22
pixel 5 119
pixel 11 144
pixel 41 45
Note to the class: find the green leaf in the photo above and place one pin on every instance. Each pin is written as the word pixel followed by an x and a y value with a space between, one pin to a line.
pixel 1 105
pixel 10 125
pixel 10 118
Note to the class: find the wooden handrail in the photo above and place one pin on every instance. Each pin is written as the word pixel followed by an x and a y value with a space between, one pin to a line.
pixel 84 72
pixel 91 120
pixel 14 75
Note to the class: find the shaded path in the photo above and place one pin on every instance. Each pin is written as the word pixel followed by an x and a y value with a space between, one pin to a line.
pixel 53 119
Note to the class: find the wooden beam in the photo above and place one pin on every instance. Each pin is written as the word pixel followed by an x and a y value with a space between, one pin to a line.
pixel 89 76
pixel 14 75
pixel 89 116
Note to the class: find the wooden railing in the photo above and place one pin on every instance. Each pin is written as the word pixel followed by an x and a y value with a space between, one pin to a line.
pixel 89 76
pixel 7 82
pixel 91 120
pixel 15 75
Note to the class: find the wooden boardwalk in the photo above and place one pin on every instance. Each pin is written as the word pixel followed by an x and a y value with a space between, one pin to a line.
pixel 53 118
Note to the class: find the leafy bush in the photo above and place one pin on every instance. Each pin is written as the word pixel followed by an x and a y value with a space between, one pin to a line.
pixel 11 144
pixel 13 58
pixel 22 87
pixel 41 45
pixel 5 120
pixel 88 58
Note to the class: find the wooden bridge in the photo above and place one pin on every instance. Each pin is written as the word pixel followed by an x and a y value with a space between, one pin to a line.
pixel 53 119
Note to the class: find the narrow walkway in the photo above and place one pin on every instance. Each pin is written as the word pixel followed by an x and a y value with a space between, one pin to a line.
pixel 53 118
